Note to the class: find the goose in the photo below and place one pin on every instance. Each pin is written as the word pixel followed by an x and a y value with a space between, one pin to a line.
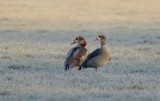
pixel 77 54
pixel 98 57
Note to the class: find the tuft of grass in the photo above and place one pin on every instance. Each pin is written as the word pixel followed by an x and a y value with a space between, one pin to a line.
pixel 5 57
pixel 4 93
pixel 28 55
pixel 9 78
pixel 131 87
pixel 135 87
pixel 1 72
pixel 17 67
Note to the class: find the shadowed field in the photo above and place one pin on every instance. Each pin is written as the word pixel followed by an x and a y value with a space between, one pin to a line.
pixel 35 36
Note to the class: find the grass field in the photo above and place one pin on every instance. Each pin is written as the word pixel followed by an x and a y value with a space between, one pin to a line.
pixel 35 36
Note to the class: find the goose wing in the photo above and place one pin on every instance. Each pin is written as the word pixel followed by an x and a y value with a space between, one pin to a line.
pixel 91 55
pixel 70 55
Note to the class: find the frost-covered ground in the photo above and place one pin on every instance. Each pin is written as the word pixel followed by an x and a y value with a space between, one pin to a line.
pixel 33 44
pixel 31 68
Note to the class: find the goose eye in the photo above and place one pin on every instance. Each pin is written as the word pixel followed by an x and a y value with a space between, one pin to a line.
pixel 99 36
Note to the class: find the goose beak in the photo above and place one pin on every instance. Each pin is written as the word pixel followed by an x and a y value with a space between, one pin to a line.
pixel 97 38
pixel 73 42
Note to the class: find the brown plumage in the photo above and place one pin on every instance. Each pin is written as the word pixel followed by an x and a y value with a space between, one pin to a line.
pixel 77 54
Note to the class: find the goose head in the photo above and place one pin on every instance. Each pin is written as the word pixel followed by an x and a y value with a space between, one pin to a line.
pixel 80 41
pixel 101 38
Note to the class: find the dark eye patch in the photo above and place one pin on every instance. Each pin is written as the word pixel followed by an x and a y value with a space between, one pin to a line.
pixel 76 38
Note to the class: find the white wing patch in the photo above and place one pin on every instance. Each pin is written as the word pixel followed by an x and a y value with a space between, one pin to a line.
pixel 84 55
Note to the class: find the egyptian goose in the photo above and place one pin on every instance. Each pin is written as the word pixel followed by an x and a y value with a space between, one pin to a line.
pixel 76 55
pixel 98 57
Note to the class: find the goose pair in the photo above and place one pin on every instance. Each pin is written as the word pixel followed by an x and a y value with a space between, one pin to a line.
pixel 79 56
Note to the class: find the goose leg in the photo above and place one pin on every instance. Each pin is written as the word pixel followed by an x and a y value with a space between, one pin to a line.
pixel 96 69
pixel 66 67
pixel 79 68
